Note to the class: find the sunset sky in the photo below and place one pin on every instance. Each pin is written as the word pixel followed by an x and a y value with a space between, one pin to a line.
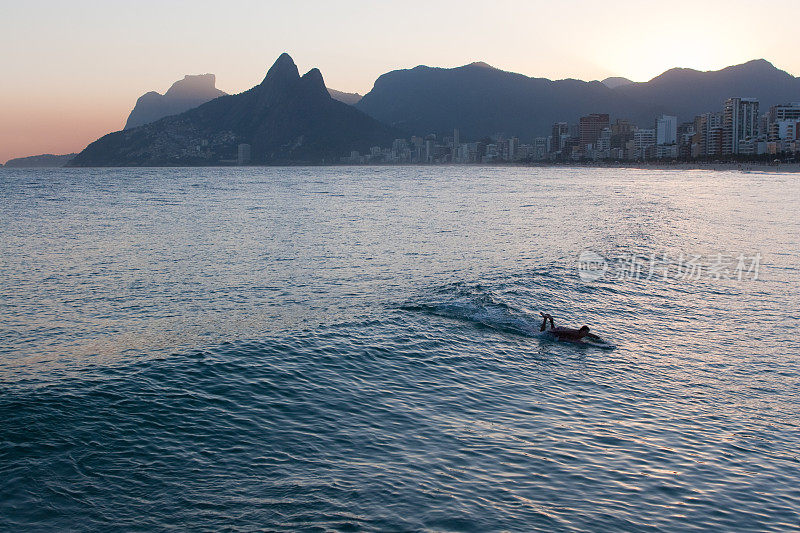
pixel 72 71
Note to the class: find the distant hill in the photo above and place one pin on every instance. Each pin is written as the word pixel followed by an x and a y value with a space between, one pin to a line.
pixel 686 92
pixel 347 98
pixel 481 100
pixel 40 161
pixel 285 119
pixel 185 94
pixel 614 82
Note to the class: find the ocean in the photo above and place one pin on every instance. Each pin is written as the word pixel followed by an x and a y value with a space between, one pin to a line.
pixel 358 349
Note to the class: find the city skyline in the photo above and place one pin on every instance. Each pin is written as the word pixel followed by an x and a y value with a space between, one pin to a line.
pixel 736 131
pixel 78 68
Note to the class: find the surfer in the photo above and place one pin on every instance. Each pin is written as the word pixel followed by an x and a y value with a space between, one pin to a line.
pixel 562 333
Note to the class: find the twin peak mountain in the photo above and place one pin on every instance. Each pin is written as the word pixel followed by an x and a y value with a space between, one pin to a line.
pixel 287 118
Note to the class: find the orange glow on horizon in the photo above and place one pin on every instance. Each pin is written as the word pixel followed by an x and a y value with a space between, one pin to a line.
pixel 53 129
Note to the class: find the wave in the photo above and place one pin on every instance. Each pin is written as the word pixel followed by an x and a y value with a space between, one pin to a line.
pixel 492 308
pixel 473 302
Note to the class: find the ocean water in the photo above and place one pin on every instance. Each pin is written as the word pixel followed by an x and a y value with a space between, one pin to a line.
pixel 357 349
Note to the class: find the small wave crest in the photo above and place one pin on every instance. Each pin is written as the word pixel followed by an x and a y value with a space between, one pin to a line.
pixel 474 302
pixel 502 308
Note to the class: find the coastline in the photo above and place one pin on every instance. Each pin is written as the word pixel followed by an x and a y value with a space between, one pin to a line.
pixel 685 165
pixel 757 166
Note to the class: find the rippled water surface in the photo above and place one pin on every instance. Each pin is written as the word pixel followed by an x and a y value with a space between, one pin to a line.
pixel 357 349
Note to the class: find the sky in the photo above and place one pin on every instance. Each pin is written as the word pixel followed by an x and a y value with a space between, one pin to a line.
pixel 71 71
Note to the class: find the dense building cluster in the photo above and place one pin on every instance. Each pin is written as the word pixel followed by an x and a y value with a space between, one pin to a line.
pixel 738 131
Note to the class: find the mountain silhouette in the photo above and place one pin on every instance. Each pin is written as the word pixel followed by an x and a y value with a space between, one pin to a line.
pixel 185 94
pixel 40 161
pixel 285 119
pixel 686 92
pixel 481 100
pixel 347 98
pixel 616 81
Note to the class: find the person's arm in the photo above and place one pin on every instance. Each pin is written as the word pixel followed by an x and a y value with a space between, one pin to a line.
pixel 544 321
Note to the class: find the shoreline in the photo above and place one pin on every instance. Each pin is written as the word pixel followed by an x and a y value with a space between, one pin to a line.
pixel 716 167
pixel 758 166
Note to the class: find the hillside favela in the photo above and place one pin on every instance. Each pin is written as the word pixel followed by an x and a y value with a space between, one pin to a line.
pixel 453 266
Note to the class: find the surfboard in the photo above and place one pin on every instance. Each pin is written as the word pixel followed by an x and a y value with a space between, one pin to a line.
pixel 589 340
pixel 594 340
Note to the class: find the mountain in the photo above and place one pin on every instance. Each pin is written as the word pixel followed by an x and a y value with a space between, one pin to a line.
pixel 686 92
pixel 184 94
pixel 481 100
pixel 347 98
pixel 40 161
pixel 286 119
pixel 614 82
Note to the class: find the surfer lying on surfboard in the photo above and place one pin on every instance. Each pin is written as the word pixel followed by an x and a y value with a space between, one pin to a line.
pixel 562 333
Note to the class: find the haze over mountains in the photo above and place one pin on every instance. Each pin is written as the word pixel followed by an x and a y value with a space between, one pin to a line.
pixel 347 98
pixel 481 100
pixel 185 94
pixel 285 119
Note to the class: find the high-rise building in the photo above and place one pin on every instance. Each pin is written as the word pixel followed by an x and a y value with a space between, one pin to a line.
pixel 513 148
pixel 243 155
pixel 666 130
pixel 475 152
pixel 560 129
pixel 417 149
pixel 462 154
pixel 491 153
pixel 456 145
pixel 782 125
pixel 708 134
pixel 763 125
pixel 591 126
pixel 686 133
pixel 714 141
pixel 784 112
pixel 740 123
pixel 622 127
pixel 785 130
pixel 621 132
pixel 524 152
pixel 644 141
pixel 540 147
pixel 603 143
